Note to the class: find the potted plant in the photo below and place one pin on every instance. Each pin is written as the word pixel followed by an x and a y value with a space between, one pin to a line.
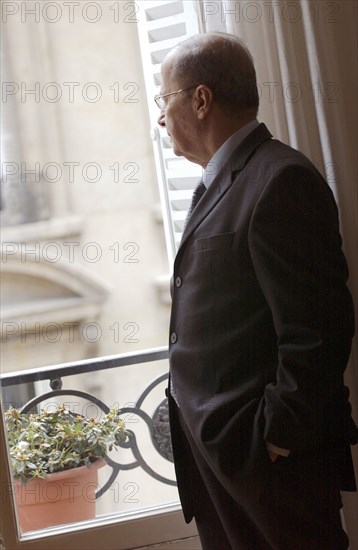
pixel 55 458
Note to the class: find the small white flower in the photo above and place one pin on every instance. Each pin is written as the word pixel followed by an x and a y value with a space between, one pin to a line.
pixel 22 445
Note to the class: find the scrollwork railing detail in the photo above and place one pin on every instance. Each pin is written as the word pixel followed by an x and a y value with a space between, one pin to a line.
pixel 157 424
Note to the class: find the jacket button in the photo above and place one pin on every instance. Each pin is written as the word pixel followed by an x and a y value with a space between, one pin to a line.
pixel 178 282
pixel 173 338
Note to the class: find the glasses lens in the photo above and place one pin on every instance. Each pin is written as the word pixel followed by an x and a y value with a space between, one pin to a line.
pixel 159 101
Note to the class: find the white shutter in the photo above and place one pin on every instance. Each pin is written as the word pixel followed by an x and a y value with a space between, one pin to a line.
pixel 161 25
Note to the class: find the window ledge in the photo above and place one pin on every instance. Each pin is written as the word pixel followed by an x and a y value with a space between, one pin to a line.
pixel 45 229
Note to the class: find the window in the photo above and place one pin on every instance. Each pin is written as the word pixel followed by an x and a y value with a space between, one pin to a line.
pixel 91 280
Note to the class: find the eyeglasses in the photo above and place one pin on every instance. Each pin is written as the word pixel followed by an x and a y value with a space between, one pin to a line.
pixel 160 101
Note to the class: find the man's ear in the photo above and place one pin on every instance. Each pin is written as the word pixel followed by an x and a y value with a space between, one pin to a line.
pixel 203 99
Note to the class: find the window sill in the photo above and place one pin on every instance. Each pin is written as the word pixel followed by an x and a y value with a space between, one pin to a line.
pixel 44 229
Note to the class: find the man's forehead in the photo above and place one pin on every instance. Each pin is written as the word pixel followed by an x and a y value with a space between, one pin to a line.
pixel 168 64
pixel 168 70
pixel 172 56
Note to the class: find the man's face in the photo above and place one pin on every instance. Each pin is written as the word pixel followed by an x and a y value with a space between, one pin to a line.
pixel 178 115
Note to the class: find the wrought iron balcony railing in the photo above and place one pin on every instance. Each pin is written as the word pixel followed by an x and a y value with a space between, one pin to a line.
pixel 157 423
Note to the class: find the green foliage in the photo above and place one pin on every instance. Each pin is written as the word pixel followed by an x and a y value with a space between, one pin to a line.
pixel 49 442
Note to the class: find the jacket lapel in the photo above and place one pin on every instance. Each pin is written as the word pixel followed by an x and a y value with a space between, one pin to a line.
pixel 224 179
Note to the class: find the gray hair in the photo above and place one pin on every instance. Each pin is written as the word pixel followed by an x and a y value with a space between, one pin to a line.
pixel 224 64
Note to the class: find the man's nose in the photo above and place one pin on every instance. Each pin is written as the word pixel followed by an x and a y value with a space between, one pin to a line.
pixel 161 118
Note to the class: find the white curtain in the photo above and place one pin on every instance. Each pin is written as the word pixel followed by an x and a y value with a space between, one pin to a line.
pixel 306 60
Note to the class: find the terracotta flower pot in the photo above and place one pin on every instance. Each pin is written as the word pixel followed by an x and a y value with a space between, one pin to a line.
pixel 60 498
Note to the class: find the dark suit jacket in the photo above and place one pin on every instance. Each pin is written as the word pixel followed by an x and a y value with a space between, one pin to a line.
pixel 262 320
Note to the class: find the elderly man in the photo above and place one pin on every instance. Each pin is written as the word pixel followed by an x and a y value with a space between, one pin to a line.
pixel 261 323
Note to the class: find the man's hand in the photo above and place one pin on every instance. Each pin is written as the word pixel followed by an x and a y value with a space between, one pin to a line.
pixel 273 456
pixel 274 452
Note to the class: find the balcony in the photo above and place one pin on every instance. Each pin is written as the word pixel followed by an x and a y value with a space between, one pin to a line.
pixel 138 481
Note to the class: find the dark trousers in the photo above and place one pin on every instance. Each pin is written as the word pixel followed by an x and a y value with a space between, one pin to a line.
pixel 297 508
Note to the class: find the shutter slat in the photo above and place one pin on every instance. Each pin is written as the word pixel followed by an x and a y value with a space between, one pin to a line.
pixel 160 10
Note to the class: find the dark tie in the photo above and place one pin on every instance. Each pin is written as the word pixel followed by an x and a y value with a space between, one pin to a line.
pixel 198 193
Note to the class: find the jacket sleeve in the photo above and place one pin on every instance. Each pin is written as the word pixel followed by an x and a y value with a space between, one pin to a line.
pixel 295 247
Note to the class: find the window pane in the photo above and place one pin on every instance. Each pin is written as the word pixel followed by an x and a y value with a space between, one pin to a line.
pixel 89 278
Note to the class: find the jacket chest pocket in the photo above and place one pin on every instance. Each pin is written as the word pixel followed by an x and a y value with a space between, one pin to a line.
pixel 220 242
pixel 214 257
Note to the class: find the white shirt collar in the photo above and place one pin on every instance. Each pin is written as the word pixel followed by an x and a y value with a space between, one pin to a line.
pixel 222 154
